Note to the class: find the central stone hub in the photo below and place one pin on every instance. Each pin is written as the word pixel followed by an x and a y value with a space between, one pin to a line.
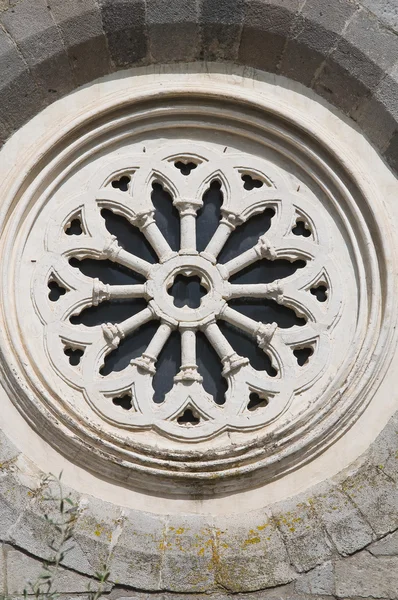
pixel 186 289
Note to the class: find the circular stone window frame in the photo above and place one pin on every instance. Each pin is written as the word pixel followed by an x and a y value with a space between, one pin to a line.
pixel 115 93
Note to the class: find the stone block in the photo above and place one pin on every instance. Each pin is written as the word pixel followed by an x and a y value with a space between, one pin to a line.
pixel 23 569
pixel 250 553
pixel 79 22
pixel 304 536
pixel 138 555
pixel 34 532
pixel 266 27
pixel 39 41
pixel 385 10
pixel 388 546
pixel 95 532
pixel 3 588
pixel 315 33
pixel 376 496
pixel 318 581
pixel 221 25
pixel 189 555
pixel 391 153
pixel 365 576
pixel 8 452
pixel 342 520
pixel 365 51
pixel 173 30
pixel 14 498
pixel 20 97
pixel 124 25
pixel 384 451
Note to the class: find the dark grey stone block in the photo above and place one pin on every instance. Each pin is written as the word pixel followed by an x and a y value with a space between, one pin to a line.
pixel 37 37
pixel 124 25
pixel 221 26
pixel 391 154
pixel 80 24
pixel 266 28
pixel 20 98
pixel 315 33
pixel 173 30
pixel 360 60
pixel 378 117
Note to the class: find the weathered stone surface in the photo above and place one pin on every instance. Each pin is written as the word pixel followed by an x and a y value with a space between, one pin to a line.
pixel 376 496
pixel 3 588
pixel 221 26
pixel 387 546
pixel 385 10
pixel 173 30
pixel 79 22
pixel 95 532
pixel 384 451
pixel 138 555
pixel 124 25
pixel 342 520
pixel 315 34
pixel 14 498
pixel 365 51
pixel 19 563
pixel 189 558
pixel 303 534
pixel 266 27
pixel 34 532
pixel 391 152
pixel 8 452
pixel 250 554
pixel 318 581
pixel 32 27
pixel 20 98
pixel 366 576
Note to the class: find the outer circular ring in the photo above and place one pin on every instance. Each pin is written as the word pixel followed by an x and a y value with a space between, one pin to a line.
pixel 298 133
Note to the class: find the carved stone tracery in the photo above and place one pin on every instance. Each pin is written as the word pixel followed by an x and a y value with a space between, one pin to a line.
pixel 239 205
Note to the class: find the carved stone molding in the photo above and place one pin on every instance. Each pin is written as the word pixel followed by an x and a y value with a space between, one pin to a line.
pixel 325 221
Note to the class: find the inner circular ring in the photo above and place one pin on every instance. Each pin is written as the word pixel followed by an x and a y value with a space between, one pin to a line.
pixel 163 276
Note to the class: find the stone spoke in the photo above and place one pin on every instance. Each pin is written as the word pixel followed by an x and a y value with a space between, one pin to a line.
pixel 263 249
pixel 112 251
pixel 103 292
pixel 115 333
pixel 263 333
pixel 188 212
pixel 147 360
pixel 272 290
pixel 147 225
pixel 189 368
pixel 230 359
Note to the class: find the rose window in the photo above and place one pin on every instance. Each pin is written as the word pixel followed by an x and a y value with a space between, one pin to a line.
pixel 215 246
pixel 192 286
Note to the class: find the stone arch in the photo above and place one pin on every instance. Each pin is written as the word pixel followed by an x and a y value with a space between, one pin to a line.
pixel 341 50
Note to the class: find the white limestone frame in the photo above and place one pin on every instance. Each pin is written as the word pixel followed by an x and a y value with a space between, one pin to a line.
pixel 358 201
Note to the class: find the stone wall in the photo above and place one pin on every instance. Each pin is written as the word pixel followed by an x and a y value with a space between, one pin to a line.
pixel 339 539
